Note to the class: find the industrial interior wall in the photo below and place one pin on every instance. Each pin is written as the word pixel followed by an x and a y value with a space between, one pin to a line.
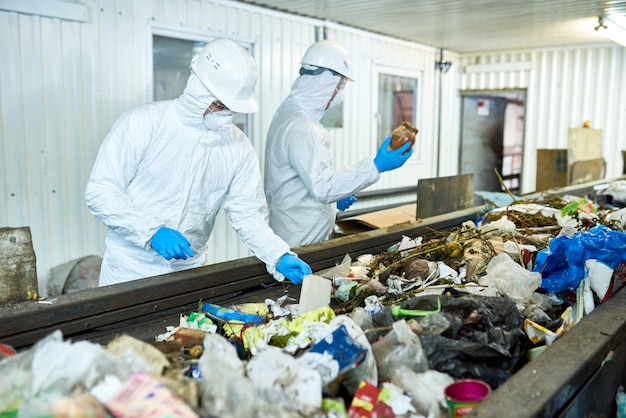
pixel 70 69
pixel 565 87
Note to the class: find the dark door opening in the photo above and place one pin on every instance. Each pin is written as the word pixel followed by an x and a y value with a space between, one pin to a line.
pixel 492 137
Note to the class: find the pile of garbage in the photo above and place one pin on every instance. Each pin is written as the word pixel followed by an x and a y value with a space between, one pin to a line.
pixel 475 302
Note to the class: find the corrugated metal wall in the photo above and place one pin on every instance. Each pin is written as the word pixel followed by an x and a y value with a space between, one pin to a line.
pixel 66 76
pixel 565 87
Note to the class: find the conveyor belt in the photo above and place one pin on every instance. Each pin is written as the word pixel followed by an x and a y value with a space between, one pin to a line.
pixel 577 376
pixel 148 305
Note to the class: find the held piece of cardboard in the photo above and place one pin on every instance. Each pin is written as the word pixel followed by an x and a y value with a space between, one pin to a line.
pixel 315 293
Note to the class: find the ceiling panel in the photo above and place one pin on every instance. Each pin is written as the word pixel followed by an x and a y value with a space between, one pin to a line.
pixel 466 25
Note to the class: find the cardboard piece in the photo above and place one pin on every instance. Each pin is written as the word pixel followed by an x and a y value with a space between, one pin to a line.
pixel 379 219
pixel 586 171
pixel 584 144
pixel 581 162
pixel 315 293
pixel 552 169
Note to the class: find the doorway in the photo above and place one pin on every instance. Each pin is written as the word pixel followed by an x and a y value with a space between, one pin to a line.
pixel 492 138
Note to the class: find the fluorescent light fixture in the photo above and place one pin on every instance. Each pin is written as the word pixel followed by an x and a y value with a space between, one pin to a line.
pixel 613 27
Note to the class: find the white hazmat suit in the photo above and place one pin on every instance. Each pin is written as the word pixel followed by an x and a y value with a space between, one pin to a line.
pixel 300 183
pixel 161 166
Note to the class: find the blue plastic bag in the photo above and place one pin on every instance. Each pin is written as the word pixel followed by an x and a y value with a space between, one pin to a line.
pixel 562 265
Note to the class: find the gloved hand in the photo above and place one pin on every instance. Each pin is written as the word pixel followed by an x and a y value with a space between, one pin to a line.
pixel 387 159
pixel 171 244
pixel 293 268
pixel 345 203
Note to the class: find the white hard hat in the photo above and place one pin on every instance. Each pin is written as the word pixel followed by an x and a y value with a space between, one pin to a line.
pixel 330 55
pixel 228 70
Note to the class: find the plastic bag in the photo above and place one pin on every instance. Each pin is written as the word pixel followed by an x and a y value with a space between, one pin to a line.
pixel 334 355
pixel 510 278
pixel 272 372
pixel 562 265
pixel 367 370
pixel 54 368
pixel 485 339
pixel 231 395
pixel 75 275
pixel 426 390
pixel 400 347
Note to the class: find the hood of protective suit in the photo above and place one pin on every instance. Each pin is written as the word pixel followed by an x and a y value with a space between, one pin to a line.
pixel 193 102
pixel 314 91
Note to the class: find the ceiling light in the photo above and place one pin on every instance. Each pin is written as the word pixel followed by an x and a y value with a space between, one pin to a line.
pixel 613 27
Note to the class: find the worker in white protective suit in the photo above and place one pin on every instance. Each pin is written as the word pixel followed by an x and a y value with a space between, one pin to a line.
pixel 301 185
pixel 166 168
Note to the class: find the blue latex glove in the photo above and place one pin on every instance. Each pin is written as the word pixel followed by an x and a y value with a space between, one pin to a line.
pixel 293 268
pixel 171 244
pixel 387 159
pixel 344 204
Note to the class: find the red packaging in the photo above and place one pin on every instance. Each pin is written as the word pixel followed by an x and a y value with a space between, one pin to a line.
pixel 618 279
pixel 365 403
pixel 6 351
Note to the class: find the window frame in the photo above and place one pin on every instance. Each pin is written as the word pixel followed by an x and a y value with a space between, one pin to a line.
pixel 398 71
pixel 197 36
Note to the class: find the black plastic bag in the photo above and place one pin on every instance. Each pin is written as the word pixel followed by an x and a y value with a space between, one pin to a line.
pixel 485 339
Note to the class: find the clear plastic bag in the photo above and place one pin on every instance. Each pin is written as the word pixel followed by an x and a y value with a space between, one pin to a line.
pixel 510 278
pixel 400 347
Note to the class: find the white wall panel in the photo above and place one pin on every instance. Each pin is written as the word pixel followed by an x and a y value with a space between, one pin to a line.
pixel 565 87
pixel 64 82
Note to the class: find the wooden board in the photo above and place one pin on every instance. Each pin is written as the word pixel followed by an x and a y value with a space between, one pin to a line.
pixel 552 169
pixel 444 194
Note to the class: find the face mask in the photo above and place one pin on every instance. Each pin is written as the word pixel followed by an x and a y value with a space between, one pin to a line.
pixel 216 121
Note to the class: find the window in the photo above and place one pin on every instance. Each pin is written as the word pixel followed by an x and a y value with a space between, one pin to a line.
pixel 170 65
pixel 397 101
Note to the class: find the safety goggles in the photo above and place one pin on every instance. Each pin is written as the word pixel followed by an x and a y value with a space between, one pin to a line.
pixel 320 70
pixel 217 106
